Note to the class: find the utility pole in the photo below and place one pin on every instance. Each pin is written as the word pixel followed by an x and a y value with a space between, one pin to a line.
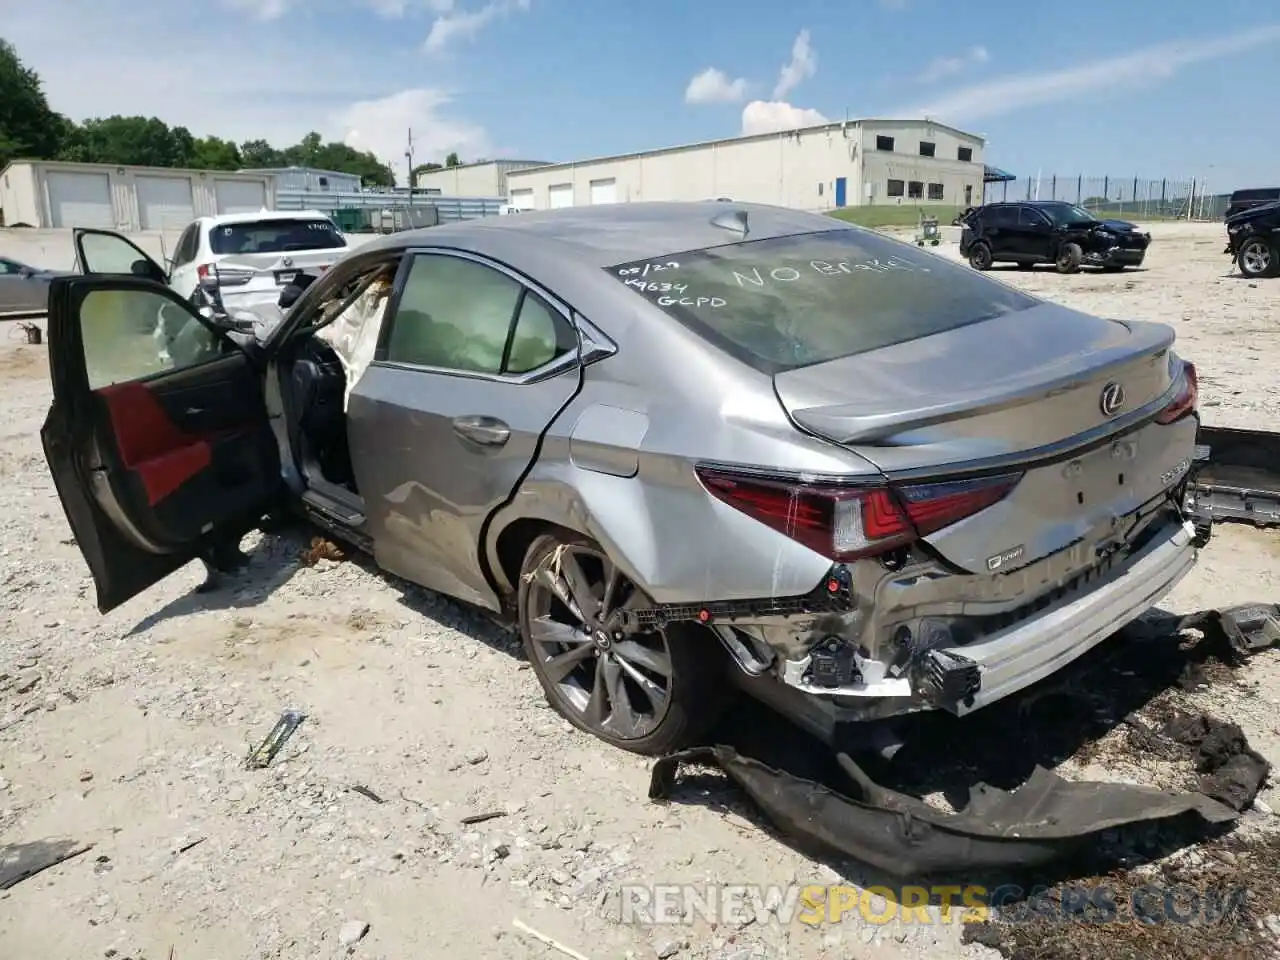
pixel 408 154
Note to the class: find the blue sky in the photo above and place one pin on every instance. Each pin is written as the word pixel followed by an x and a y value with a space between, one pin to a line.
pixel 1096 88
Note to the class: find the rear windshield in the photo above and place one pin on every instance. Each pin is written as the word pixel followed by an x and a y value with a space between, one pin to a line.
pixel 274 236
pixel 792 301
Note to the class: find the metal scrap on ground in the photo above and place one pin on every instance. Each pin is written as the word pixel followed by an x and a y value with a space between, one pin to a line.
pixel 262 755
pixel 22 861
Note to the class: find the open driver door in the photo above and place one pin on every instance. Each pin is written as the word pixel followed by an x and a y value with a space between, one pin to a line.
pixel 159 445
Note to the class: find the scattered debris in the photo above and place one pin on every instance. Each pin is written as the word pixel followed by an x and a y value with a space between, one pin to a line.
pixel 549 941
pixel 22 861
pixel 1231 771
pixel 262 755
pixel 322 549
pixel 365 792
pixel 192 844
pixel 482 817
pixel 352 932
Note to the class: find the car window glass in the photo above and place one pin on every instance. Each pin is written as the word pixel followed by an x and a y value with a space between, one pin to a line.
pixel 5 268
pixel 1030 217
pixel 131 334
pixel 541 336
pixel 186 251
pixel 107 253
pixel 453 313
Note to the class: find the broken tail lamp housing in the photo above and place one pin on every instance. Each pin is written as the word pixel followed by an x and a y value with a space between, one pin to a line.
pixel 1187 398
pixel 850 522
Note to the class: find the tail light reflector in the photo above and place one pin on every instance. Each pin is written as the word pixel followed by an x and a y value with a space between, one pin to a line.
pixel 845 523
pixel 1187 399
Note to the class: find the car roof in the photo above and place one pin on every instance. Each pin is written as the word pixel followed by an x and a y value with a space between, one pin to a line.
pixel 607 234
pixel 261 215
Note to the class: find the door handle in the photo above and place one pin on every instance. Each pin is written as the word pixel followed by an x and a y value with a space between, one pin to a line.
pixel 487 431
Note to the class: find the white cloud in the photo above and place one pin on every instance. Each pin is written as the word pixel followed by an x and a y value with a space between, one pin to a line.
pixel 802 66
pixel 270 10
pixel 382 126
pixel 131 57
pixel 1147 66
pixel 765 116
pixel 941 67
pixel 458 25
pixel 714 86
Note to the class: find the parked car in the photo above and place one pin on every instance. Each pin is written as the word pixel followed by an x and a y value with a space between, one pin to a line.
pixel 1049 231
pixel 257 254
pixel 1253 240
pixel 24 289
pixel 680 448
pixel 1242 200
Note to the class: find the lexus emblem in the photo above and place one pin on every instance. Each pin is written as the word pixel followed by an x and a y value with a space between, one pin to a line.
pixel 1112 399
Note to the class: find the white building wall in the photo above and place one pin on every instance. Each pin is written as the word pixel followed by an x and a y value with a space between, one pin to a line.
pixel 487 179
pixel 905 162
pixel 27 192
pixel 798 169
pixel 18 195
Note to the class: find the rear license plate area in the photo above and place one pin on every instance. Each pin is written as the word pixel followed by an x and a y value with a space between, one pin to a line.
pixel 284 277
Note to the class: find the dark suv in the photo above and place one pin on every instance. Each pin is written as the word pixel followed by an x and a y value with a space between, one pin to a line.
pixel 1243 200
pixel 1048 231
pixel 1253 240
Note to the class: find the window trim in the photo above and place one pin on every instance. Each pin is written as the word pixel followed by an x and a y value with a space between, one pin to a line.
pixel 960 151
pixel 933 148
pixel 919 194
pixel 928 189
pixel 888 189
pixel 891 141
pixel 552 368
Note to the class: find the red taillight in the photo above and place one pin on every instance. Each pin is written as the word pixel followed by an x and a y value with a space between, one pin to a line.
pixel 845 523
pixel 1186 400
pixel 202 271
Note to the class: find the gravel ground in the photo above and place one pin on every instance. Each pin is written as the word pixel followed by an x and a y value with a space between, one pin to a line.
pixel 130 731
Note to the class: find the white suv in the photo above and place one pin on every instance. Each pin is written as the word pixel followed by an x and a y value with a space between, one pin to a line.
pixel 257 254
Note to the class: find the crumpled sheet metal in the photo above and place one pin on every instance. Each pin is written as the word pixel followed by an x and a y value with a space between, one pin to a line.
pixel 1037 823
pixel 1043 819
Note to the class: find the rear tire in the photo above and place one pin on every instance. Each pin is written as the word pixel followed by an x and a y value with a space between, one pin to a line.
pixel 1258 258
pixel 1069 258
pixel 649 692
pixel 980 256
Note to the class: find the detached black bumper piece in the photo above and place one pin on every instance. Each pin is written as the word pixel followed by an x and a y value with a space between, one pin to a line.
pixel 1046 818
pixel 1043 820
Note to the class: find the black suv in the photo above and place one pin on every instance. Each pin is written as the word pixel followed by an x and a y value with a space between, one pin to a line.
pixel 1246 199
pixel 1253 239
pixel 1048 231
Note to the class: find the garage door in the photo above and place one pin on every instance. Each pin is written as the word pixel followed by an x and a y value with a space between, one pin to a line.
pixel 164 203
pixel 604 191
pixel 239 196
pixel 522 199
pixel 560 195
pixel 79 199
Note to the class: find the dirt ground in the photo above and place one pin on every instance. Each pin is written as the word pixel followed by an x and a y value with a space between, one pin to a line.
pixel 130 732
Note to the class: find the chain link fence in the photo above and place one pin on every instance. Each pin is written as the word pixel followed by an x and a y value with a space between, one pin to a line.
pixel 1122 197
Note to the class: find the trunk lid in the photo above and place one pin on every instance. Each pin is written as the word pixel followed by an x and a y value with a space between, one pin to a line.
pixel 1016 392
pixel 250 278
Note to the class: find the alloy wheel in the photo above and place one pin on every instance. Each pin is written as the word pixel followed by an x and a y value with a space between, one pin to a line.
pixel 1255 258
pixel 613 676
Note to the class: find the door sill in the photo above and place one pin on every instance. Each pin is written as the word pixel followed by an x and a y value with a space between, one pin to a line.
pixel 338 511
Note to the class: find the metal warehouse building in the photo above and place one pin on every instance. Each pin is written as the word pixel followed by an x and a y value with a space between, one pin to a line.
pixel 309 179
pixel 849 163
pixel 42 193
pixel 485 178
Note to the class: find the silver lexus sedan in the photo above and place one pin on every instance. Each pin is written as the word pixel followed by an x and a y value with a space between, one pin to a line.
pixel 685 447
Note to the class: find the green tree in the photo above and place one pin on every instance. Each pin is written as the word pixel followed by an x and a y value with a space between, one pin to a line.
pixel 213 153
pixel 258 154
pixel 28 126
pixel 452 160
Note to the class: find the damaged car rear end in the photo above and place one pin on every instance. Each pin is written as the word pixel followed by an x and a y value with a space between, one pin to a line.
pixel 1002 477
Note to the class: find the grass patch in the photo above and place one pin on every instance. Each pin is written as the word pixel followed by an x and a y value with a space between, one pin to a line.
pixel 895 216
